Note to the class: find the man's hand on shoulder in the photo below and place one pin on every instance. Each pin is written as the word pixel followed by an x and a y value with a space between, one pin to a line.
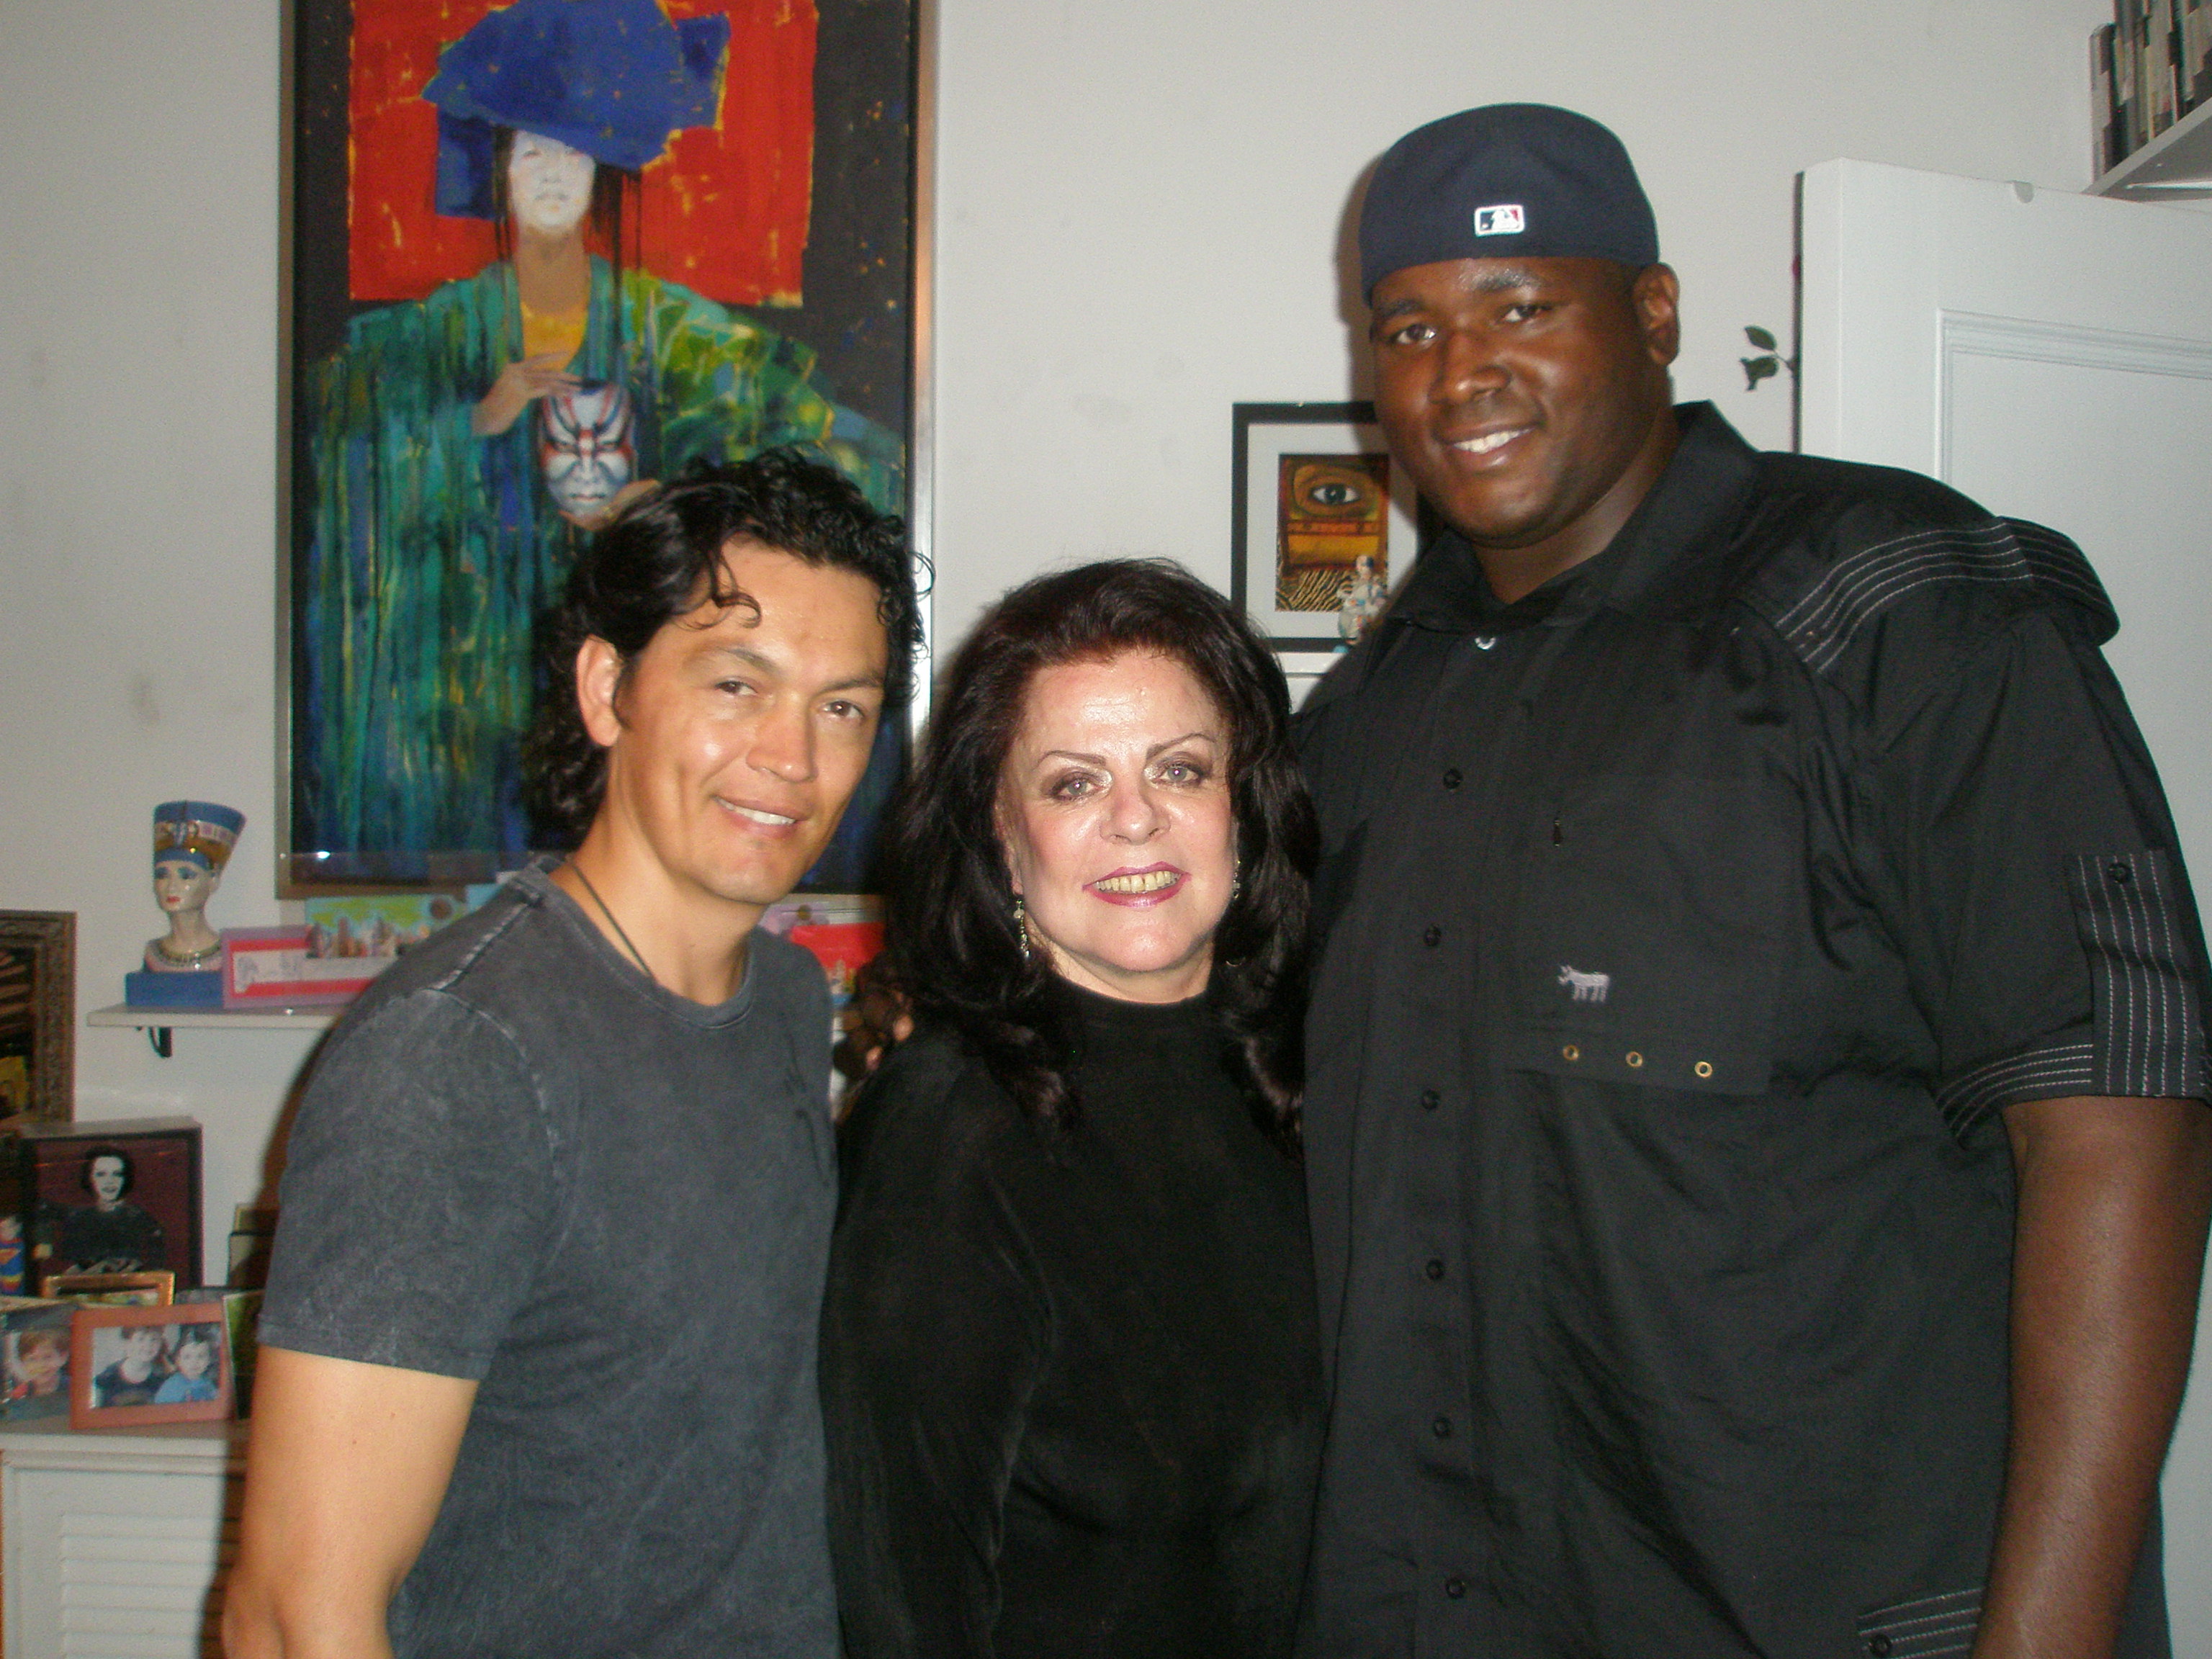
pixel 347 1465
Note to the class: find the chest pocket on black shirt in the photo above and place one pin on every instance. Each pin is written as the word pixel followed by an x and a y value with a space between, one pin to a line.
pixel 1647 943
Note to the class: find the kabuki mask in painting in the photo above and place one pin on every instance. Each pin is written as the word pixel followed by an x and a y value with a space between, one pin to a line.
pixel 588 446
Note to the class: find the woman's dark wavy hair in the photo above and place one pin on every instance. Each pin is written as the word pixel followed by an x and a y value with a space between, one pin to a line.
pixel 662 559
pixel 954 947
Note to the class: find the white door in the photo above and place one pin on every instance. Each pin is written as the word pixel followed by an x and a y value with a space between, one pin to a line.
pixel 2051 355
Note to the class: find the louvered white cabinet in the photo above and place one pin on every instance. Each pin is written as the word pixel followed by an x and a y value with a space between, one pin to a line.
pixel 113 1544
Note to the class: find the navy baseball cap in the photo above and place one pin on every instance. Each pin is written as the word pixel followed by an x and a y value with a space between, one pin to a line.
pixel 1507 180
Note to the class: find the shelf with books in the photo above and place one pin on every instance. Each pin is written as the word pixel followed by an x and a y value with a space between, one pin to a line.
pixel 2174 167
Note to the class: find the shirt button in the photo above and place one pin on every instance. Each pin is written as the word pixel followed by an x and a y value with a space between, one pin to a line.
pixel 1879 1646
pixel 1454 1587
pixel 2119 871
pixel 1435 1269
pixel 1432 937
pixel 1429 1100
pixel 1441 1428
pixel 1451 778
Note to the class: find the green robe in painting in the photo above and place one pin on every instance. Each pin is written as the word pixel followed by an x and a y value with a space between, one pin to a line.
pixel 433 551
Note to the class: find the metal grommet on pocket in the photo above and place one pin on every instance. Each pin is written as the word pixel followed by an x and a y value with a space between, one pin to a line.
pixel 1634 1059
pixel 1570 1052
pixel 1703 1068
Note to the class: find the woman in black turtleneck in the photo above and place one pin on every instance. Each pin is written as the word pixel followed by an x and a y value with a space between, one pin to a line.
pixel 1068 1349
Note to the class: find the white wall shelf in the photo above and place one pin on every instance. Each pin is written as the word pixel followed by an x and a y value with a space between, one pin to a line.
pixel 158 1023
pixel 2174 167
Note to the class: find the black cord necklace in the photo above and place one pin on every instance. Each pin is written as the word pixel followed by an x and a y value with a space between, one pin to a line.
pixel 636 954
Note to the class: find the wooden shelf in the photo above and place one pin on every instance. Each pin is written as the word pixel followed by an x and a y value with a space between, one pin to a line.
pixel 235 1019
pixel 158 1023
pixel 2174 167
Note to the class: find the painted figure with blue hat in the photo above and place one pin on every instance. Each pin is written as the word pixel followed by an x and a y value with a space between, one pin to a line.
pixel 463 444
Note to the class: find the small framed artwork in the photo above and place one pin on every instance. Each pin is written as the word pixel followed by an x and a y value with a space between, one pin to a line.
pixel 136 1365
pixel 38 1005
pixel 117 1197
pixel 1322 526
pixel 111 1289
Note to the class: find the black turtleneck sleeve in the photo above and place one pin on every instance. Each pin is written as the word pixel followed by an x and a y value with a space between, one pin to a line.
pixel 1069 1375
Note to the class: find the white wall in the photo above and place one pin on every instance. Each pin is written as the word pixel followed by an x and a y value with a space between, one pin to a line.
pixel 1140 203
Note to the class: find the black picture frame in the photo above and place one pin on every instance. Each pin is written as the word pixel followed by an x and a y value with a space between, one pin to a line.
pixel 1267 441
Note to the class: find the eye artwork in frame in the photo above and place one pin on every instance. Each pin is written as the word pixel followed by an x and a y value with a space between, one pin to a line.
pixel 1323 528
pixel 37 1003
pixel 133 1366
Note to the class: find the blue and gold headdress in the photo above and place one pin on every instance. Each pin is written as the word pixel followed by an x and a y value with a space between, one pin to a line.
pixel 197 831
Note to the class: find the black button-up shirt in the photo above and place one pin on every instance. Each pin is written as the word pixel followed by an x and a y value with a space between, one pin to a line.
pixel 1685 923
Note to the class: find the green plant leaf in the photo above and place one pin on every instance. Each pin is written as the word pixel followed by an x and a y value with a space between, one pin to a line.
pixel 1760 337
pixel 1756 369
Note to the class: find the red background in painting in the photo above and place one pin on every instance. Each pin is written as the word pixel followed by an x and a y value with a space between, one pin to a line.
pixel 724 209
pixel 161 1184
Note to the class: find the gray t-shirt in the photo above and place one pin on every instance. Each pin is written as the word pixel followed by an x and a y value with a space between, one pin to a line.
pixel 519 1160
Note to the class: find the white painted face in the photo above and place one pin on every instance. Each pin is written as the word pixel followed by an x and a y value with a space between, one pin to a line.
pixel 106 1178
pixel 588 446
pixel 181 885
pixel 549 184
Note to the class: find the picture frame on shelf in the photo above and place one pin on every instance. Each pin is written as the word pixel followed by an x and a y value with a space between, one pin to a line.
pixel 757 274
pixel 38 1014
pixel 137 1290
pixel 117 1197
pixel 1322 526
pixel 129 1367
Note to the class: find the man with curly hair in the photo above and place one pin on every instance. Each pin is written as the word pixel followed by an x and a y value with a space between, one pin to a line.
pixel 538 1355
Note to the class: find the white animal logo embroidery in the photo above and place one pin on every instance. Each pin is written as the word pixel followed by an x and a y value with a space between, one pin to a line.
pixel 1587 987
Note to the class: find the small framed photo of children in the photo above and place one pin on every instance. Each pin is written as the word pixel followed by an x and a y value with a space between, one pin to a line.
pixel 120 1197
pixel 137 1365
pixel 38 1368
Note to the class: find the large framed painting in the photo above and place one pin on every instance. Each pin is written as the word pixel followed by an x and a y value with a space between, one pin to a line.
pixel 544 253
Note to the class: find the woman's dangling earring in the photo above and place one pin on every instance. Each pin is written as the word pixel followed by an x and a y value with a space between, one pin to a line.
pixel 1022 927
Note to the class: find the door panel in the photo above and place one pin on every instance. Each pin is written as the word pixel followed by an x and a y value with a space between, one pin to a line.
pixel 2051 355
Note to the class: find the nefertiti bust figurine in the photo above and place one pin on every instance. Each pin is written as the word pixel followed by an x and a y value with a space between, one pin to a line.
pixel 192 841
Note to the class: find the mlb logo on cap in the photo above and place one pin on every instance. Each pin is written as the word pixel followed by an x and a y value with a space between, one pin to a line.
pixel 1504 220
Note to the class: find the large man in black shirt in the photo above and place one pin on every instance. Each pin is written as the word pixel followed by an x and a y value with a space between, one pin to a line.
pixel 1755 1118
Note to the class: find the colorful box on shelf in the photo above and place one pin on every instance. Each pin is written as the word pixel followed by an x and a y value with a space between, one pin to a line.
pixel 276 967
